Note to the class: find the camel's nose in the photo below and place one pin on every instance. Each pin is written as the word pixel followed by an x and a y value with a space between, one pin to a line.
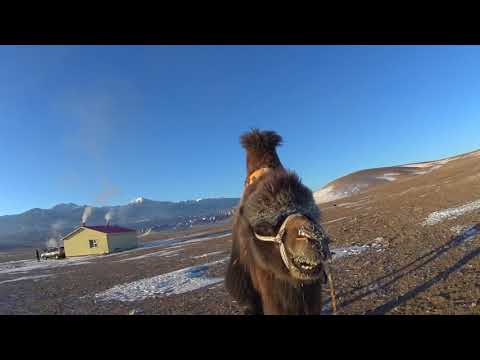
pixel 307 247
pixel 313 242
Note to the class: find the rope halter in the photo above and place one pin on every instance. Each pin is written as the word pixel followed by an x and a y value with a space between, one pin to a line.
pixel 312 232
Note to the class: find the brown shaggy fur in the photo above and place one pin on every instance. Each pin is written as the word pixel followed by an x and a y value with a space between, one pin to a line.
pixel 256 276
pixel 281 193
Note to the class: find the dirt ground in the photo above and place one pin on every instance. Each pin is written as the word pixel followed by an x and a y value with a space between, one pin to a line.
pixel 393 257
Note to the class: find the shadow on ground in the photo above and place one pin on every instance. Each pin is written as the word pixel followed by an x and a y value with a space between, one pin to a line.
pixel 422 261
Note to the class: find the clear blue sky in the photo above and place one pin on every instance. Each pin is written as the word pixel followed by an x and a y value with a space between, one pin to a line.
pixel 105 124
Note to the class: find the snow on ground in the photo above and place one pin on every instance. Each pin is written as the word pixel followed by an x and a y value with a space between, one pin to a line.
pixel 173 241
pixel 175 282
pixel 335 220
pixel 360 202
pixel 377 244
pixel 457 229
pixel 194 277
pixel 145 233
pixel 149 231
pixel 24 266
pixel 388 176
pixel 156 253
pixel 32 277
pixel 170 242
pixel 327 194
pixel 12 262
pixel 208 254
pixel 453 213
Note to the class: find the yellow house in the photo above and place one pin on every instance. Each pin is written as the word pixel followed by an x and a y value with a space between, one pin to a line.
pixel 95 240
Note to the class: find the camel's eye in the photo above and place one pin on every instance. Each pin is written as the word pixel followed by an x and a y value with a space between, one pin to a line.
pixel 264 229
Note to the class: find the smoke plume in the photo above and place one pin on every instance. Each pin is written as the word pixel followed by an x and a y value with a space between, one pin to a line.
pixel 109 216
pixel 52 243
pixel 86 214
pixel 55 234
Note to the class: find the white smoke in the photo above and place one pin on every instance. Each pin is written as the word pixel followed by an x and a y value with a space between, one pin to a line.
pixel 55 234
pixel 86 214
pixel 56 227
pixel 52 243
pixel 109 216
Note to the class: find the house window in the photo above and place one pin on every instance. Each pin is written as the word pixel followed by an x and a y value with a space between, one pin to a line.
pixel 93 243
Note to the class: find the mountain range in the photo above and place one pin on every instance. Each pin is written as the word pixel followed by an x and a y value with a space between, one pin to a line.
pixel 36 227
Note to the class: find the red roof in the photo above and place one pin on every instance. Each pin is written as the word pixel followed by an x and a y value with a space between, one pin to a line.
pixel 109 229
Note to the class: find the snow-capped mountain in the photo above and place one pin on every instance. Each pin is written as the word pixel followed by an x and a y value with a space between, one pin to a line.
pixel 37 225
pixel 139 200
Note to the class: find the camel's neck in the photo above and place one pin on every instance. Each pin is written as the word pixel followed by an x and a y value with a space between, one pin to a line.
pixel 281 297
pixel 262 159
pixel 296 300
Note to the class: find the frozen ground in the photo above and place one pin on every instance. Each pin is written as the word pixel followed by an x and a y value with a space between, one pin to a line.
pixel 156 253
pixel 335 220
pixel 207 254
pixel 182 241
pixel 26 266
pixel 172 283
pixel 378 245
pixel 195 277
pixel 20 270
pixel 466 233
pixel 32 277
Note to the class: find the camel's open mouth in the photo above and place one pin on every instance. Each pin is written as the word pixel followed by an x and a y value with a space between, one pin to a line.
pixel 307 266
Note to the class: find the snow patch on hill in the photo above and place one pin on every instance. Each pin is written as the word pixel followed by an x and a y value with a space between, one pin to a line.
pixel 450 213
pixel 329 193
pixel 429 170
pixel 388 176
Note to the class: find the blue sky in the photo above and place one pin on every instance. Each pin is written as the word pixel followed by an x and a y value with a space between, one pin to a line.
pixel 102 125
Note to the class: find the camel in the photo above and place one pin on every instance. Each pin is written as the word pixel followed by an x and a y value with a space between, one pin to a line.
pixel 279 252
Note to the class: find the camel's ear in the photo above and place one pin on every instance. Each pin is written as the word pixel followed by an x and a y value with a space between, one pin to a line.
pixel 260 140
